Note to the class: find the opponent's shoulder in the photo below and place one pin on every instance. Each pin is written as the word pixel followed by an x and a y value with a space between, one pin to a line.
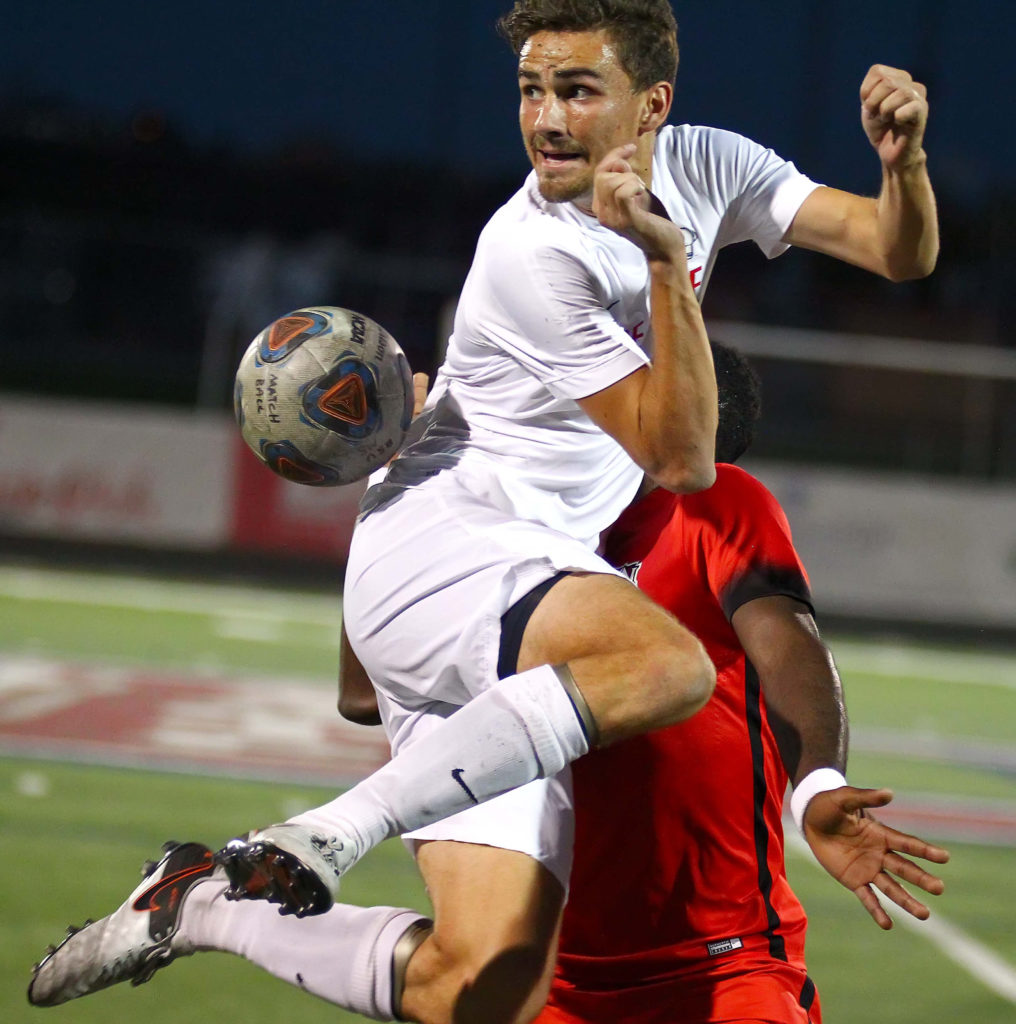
pixel 734 495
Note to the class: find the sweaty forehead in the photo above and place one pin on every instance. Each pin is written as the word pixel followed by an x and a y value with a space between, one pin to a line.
pixel 559 51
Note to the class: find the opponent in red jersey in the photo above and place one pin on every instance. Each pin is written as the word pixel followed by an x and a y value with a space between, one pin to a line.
pixel 680 909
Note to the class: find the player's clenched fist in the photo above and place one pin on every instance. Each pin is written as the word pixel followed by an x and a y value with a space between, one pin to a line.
pixel 621 202
pixel 894 112
pixel 617 190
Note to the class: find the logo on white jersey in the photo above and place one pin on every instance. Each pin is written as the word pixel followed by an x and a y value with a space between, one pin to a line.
pixel 690 241
pixel 631 570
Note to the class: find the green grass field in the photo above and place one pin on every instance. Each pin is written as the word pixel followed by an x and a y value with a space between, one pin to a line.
pixel 72 837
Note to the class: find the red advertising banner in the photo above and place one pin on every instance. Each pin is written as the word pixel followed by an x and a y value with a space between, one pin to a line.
pixel 273 514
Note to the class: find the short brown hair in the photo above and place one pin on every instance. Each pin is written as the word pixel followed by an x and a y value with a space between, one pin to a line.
pixel 644 31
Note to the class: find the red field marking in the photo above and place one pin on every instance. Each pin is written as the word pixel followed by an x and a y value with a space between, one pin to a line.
pixel 952 818
pixel 283 730
pixel 158 718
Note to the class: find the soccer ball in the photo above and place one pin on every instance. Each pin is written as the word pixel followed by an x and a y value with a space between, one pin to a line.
pixel 323 396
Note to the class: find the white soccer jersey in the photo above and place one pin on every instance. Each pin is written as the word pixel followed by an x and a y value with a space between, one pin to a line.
pixel 505 480
pixel 555 308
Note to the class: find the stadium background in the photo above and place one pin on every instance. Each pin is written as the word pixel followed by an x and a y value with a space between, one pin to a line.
pixel 173 179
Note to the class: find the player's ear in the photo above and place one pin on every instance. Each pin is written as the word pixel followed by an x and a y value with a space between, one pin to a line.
pixel 656 106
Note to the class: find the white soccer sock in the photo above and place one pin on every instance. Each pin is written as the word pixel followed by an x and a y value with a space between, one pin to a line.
pixel 523 728
pixel 343 956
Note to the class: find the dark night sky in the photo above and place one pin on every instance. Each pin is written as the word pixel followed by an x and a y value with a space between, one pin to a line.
pixel 429 80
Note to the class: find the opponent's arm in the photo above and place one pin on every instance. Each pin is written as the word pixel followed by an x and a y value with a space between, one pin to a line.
pixel 804 702
pixel 357 699
pixel 895 235
pixel 804 698
pixel 663 415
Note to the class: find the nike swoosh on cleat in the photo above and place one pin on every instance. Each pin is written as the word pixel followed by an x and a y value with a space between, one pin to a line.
pixel 147 900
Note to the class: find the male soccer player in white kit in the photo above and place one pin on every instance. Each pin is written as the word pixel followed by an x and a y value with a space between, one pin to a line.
pixel 578 363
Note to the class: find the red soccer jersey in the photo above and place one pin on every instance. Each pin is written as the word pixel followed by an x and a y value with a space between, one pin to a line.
pixel 679 907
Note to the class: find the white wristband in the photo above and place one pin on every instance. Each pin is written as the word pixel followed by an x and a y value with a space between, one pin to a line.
pixel 819 781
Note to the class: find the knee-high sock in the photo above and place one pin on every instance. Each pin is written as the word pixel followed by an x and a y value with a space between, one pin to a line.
pixel 344 956
pixel 523 728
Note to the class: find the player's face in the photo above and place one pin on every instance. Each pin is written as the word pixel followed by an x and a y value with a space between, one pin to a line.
pixel 577 105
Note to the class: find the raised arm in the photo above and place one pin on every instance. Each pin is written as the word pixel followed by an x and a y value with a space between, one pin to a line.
pixel 663 415
pixel 804 702
pixel 895 235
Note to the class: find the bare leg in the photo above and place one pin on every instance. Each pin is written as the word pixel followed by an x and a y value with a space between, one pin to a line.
pixel 490 957
pixel 636 665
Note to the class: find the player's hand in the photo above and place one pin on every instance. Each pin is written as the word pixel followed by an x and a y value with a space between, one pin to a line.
pixel 420 384
pixel 894 113
pixel 622 202
pixel 863 854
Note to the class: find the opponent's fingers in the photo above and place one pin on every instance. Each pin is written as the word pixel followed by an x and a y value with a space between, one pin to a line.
pixel 914 846
pixel 870 903
pixel 854 799
pixel 914 874
pixel 892 890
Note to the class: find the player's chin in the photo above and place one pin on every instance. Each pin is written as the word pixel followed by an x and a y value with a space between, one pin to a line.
pixel 559 188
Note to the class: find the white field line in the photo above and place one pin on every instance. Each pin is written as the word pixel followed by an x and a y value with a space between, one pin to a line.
pixel 980 962
pixel 894 659
pixel 250 602
pixel 881 658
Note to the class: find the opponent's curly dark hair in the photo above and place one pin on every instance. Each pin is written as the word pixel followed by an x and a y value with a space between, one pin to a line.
pixel 643 31
pixel 740 400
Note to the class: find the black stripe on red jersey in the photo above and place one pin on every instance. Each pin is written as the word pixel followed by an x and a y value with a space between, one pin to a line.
pixel 765 581
pixel 753 716
pixel 807 996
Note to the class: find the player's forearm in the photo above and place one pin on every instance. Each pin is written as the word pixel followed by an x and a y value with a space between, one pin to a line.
pixel 907 222
pixel 800 684
pixel 806 712
pixel 678 406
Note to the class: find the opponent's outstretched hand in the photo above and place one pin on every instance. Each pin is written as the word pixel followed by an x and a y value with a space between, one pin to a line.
pixel 623 203
pixel 863 854
pixel 894 113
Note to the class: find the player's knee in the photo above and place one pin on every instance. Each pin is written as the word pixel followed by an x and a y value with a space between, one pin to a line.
pixel 682 677
pixel 673 679
pixel 508 987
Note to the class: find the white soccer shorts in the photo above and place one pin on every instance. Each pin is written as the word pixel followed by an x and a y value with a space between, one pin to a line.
pixel 427 581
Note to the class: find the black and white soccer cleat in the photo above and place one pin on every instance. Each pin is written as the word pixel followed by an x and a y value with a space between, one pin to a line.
pixel 133 942
pixel 289 865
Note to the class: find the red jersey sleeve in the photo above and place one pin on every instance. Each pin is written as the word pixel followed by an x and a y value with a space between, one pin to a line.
pixel 746 541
